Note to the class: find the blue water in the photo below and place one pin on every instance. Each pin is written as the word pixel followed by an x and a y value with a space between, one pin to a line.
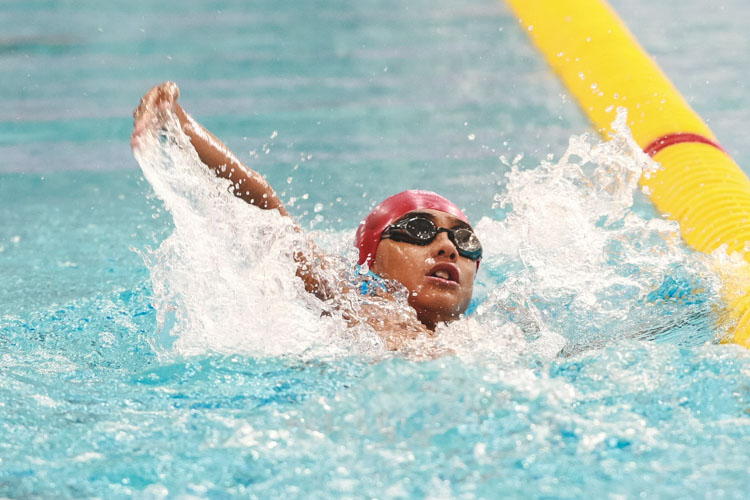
pixel 132 364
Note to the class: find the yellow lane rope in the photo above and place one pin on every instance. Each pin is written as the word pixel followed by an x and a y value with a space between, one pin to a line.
pixel 699 185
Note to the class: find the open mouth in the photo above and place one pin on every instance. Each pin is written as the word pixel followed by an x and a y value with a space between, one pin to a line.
pixel 444 272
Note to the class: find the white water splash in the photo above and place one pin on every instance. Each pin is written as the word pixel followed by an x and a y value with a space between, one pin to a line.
pixel 572 262
pixel 224 280
pixel 575 257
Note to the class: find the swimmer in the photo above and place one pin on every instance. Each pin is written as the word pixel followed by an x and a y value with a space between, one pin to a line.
pixel 416 238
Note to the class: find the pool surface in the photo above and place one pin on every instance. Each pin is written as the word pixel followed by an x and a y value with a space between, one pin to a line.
pixel 153 345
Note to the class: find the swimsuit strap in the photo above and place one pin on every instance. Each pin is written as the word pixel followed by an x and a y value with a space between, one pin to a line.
pixel 369 283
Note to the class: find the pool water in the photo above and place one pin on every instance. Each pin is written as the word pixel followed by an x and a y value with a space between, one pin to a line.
pixel 152 345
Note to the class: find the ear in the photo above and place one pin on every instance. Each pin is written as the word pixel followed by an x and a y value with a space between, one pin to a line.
pixel 374 264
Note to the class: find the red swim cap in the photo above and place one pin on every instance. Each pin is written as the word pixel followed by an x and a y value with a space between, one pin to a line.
pixel 369 231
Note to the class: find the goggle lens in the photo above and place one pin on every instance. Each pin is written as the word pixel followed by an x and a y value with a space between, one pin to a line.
pixel 421 228
pixel 422 231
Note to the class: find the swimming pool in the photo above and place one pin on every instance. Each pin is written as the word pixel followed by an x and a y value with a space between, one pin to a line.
pixel 122 376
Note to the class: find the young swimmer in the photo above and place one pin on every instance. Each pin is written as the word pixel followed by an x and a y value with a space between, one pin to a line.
pixel 417 238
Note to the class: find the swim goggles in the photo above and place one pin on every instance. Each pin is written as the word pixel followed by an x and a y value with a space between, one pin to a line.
pixel 419 230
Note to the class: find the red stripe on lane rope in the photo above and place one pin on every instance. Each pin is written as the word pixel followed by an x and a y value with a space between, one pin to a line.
pixel 677 138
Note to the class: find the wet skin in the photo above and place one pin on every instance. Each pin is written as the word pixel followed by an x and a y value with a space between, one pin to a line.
pixel 439 280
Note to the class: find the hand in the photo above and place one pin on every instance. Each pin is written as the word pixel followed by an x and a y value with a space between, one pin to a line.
pixel 154 109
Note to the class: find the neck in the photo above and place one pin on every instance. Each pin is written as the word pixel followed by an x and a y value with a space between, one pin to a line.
pixel 428 320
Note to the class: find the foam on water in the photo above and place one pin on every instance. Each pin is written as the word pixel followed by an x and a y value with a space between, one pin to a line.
pixel 572 264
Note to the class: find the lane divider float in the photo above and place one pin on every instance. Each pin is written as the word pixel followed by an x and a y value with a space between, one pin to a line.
pixel 699 185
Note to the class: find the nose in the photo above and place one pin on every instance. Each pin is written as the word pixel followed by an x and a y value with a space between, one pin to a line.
pixel 444 247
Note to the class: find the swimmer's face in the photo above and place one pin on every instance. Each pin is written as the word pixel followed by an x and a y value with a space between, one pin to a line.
pixel 439 280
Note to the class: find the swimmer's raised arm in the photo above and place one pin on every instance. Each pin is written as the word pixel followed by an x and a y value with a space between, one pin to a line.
pixel 247 184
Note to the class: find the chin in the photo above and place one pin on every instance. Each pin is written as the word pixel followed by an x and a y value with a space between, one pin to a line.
pixel 438 309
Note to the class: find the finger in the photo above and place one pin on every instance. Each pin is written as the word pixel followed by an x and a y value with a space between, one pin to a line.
pixel 173 90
